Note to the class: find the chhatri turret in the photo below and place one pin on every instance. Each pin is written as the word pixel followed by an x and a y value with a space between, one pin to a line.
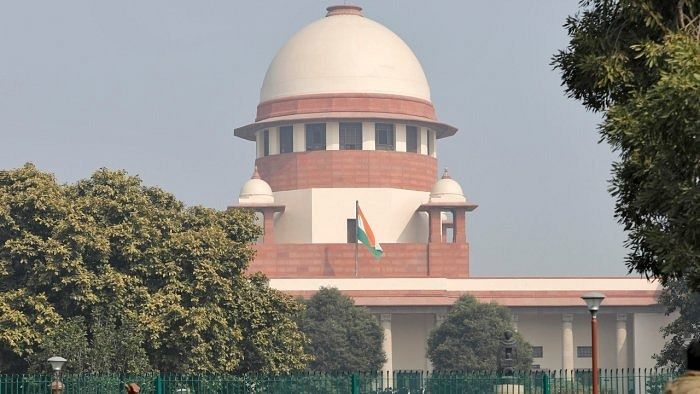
pixel 345 115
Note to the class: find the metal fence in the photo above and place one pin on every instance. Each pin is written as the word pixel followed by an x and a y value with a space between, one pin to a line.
pixel 645 381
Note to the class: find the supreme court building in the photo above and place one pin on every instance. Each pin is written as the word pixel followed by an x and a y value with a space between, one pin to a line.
pixel 345 115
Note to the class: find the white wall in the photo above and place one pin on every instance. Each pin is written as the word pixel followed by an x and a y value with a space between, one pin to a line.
pixel 390 213
pixel 543 329
pixel 409 333
pixel 647 337
pixel 320 215
pixel 293 226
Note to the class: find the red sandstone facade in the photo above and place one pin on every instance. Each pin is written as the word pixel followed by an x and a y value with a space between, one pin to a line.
pixel 349 169
pixel 348 102
pixel 429 260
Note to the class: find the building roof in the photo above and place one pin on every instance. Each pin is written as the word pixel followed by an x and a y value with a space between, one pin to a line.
pixel 345 52
pixel 512 292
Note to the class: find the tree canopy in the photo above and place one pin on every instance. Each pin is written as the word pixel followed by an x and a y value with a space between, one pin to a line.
pixel 678 299
pixel 638 61
pixel 121 277
pixel 470 338
pixel 342 336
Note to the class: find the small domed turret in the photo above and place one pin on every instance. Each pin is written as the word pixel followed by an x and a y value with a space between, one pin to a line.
pixel 446 189
pixel 256 191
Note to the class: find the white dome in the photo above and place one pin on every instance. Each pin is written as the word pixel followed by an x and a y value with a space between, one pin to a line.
pixel 345 53
pixel 447 189
pixel 256 191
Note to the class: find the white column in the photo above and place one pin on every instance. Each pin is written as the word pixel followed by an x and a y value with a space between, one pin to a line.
pixel 621 340
pixel 432 142
pixel 385 319
pixel 400 137
pixel 515 322
pixel 299 133
pixel 368 142
pixel 259 143
pixel 567 341
pixel 274 140
pixel 332 136
pixel 423 140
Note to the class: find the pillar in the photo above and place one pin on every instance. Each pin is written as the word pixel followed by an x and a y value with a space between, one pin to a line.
pixel 385 319
pixel 515 322
pixel 567 342
pixel 435 226
pixel 621 340
pixel 268 226
pixel 460 225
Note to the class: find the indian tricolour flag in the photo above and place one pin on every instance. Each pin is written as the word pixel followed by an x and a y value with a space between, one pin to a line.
pixel 366 235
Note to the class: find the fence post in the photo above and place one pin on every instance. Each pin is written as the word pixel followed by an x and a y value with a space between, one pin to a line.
pixel 545 384
pixel 159 385
pixel 355 383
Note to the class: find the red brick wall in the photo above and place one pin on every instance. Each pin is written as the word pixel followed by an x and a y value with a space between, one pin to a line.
pixel 348 168
pixel 349 102
pixel 338 260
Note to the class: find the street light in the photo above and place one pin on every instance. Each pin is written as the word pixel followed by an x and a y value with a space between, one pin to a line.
pixel 593 300
pixel 56 364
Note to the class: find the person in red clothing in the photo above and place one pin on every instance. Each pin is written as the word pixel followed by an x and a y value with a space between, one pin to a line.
pixel 689 382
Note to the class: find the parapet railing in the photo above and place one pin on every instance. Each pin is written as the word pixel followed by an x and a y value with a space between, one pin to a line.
pixel 647 381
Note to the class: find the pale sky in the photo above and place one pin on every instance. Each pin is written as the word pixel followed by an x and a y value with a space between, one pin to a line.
pixel 157 87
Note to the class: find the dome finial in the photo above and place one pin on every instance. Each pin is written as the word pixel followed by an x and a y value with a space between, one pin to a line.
pixel 446 175
pixel 345 9
pixel 256 175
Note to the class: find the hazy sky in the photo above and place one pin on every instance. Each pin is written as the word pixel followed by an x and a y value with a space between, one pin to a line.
pixel 157 87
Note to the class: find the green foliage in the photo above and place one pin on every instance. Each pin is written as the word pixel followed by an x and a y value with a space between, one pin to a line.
pixel 342 336
pixel 147 282
pixel 470 338
pixel 677 298
pixel 639 61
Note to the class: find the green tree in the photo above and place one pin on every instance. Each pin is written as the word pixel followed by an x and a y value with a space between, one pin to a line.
pixel 342 336
pixel 677 298
pixel 141 273
pixel 470 338
pixel 638 62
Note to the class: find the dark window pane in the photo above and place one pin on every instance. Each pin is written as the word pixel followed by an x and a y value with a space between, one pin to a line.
pixel 412 139
pixel 584 352
pixel 351 136
pixel 286 139
pixel 316 136
pixel 352 231
pixel 384 136
pixel 537 352
pixel 266 142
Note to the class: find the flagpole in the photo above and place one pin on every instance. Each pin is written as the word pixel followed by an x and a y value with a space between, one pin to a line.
pixel 357 204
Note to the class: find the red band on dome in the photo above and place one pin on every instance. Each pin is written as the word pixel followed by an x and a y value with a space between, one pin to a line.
pixel 346 102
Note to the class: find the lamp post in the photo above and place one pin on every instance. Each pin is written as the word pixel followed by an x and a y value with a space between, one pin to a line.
pixel 56 364
pixel 593 300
